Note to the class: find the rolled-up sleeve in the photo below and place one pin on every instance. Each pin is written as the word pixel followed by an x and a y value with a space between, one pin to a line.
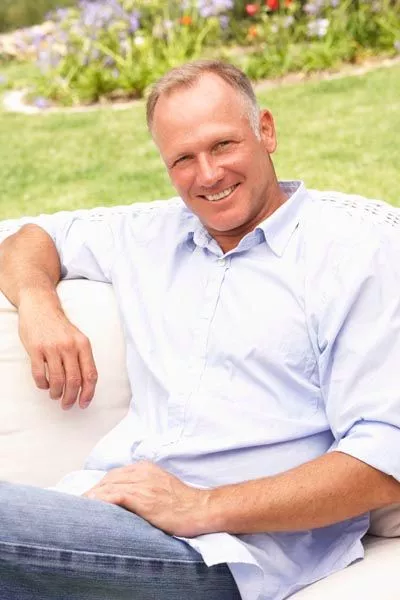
pixel 357 324
pixel 85 240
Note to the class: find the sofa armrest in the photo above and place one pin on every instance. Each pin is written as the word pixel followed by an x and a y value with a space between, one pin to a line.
pixel 39 442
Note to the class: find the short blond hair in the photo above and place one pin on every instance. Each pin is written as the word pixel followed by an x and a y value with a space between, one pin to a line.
pixel 187 75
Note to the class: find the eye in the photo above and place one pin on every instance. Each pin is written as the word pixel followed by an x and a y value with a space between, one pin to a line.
pixel 222 145
pixel 181 160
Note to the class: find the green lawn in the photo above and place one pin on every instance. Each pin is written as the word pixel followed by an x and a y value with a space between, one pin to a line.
pixel 341 134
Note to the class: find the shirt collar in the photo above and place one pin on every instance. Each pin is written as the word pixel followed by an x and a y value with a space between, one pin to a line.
pixel 279 227
pixel 276 229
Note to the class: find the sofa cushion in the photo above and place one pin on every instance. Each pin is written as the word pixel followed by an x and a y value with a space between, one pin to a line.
pixel 386 522
pixel 375 577
pixel 39 442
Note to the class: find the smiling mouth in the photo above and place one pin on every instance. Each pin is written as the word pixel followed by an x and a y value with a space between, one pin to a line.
pixel 221 195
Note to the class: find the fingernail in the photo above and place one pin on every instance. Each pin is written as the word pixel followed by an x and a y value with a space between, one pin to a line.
pixel 85 404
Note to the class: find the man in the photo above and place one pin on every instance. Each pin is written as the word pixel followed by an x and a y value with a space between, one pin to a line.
pixel 262 326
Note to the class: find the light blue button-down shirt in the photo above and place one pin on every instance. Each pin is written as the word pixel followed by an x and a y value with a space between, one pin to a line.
pixel 249 363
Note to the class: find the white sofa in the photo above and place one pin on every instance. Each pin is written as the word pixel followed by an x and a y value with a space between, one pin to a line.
pixel 39 442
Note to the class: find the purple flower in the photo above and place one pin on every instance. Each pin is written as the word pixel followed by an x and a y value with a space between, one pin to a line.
pixel 134 21
pixel 60 14
pixel 318 28
pixel 313 8
pixel 41 103
pixel 211 8
pixel 3 79
pixel 224 21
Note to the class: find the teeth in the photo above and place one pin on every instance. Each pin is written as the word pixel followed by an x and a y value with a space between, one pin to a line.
pixel 224 194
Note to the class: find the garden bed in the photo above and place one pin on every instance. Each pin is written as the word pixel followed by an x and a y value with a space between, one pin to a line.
pixel 112 50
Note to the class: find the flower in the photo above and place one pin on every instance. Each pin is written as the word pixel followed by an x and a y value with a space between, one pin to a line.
pixel 212 8
pixel 3 80
pixel 272 4
pixel 252 32
pixel 313 8
pixel 252 9
pixel 41 102
pixel 134 22
pixel 186 20
pixel 224 21
pixel 397 45
pixel 139 40
pixel 318 28
pixel 288 21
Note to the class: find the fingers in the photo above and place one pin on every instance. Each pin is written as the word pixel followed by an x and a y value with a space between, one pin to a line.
pixel 72 378
pixel 118 494
pixel 89 374
pixel 132 473
pixel 38 367
pixel 55 375
pixel 68 370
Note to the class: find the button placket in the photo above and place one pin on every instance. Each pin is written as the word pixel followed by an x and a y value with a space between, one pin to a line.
pixel 191 378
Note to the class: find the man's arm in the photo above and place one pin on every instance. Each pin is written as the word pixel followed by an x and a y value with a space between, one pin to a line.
pixel 60 354
pixel 329 489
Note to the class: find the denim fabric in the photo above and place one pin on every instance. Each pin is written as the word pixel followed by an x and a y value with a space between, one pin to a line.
pixel 55 546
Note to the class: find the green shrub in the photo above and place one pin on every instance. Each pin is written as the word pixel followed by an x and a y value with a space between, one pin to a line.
pixel 116 48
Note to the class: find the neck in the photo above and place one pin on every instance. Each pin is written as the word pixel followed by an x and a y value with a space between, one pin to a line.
pixel 228 240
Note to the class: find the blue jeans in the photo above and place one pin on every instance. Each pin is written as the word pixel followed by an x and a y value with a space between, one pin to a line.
pixel 54 546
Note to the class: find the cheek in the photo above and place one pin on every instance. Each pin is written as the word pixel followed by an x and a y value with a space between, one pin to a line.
pixel 181 180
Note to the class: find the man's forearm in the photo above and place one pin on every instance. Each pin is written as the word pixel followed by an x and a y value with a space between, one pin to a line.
pixel 29 263
pixel 61 356
pixel 332 488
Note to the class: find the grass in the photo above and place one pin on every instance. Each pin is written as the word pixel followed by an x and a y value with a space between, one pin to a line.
pixel 340 134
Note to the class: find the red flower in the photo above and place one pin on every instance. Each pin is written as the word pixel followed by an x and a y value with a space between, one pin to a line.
pixel 252 9
pixel 288 2
pixel 272 4
pixel 252 32
pixel 186 20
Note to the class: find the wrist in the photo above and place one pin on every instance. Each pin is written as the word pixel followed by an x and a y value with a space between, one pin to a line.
pixel 209 512
pixel 35 296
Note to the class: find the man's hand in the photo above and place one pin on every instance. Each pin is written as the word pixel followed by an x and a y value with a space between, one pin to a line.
pixel 60 354
pixel 155 495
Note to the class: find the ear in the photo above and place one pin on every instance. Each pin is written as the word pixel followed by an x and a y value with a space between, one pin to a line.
pixel 267 131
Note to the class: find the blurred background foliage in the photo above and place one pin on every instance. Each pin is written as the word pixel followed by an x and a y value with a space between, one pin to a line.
pixel 15 14
pixel 107 50
pixel 111 50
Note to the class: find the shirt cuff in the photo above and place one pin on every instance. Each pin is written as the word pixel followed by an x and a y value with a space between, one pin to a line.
pixel 374 443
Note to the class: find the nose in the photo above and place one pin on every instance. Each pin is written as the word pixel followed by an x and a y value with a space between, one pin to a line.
pixel 208 171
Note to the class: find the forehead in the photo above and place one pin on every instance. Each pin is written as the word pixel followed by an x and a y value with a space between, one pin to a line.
pixel 208 103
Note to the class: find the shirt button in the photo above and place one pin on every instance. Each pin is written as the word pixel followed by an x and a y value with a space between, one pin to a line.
pixel 221 262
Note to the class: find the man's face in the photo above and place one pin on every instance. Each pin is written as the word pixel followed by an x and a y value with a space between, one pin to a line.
pixel 219 167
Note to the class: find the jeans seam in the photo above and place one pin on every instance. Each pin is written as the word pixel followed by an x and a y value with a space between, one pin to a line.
pixel 13 548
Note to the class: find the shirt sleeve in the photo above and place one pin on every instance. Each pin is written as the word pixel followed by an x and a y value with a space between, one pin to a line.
pixel 85 240
pixel 356 321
